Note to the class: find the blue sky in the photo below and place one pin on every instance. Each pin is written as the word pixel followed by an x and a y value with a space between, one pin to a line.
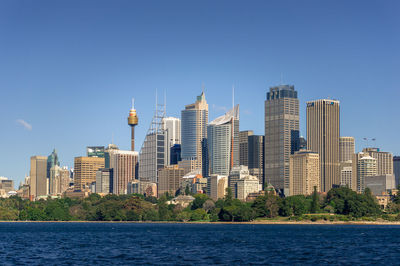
pixel 69 68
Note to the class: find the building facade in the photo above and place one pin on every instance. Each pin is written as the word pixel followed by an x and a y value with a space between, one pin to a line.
pixel 169 179
pixel 85 169
pixel 194 130
pixel 104 181
pixel 323 129
pixel 256 157
pixel 384 160
pixel 244 147
pixel 304 173
pixel 38 176
pixel 223 142
pixel 124 165
pixel 346 149
pixel 216 186
pixel 281 123
pixel 366 167
pixel 396 168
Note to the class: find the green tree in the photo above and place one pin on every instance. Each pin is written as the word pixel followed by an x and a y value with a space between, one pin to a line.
pixel 187 190
pixel 315 201
pixel 199 200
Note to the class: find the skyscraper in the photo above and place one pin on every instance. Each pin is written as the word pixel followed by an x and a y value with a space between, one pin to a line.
pixel 52 160
pixel 396 168
pixel 153 154
pixel 281 124
pixel 169 179
pixel 124 165
pixel 244 146
pixel 256 157
pixel 85 169
pixel 366 167
pixel 194 130
pixel 384 160
pixel 223 142
pixel 38 176
pixel 346 149
pixel 172 127
pixel 323 129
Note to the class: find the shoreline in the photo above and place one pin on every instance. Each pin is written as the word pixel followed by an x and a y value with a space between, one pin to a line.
pixel 262 222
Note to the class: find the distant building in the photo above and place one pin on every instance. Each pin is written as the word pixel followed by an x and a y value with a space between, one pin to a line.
pixel 380 184
pixel 38 176
pixel 346 176
pixel 169 179
pixel 95 151
pixel 182 200
pixel 323 129
pixel 384 160
pixel 172 127
pixel 396 168
pixel 148 189
pixel 124 165
pixel 59 180
pixel 256 157
pixel 366 167
pixel 175 154
pixel 216 186
pixel 6 184
pixel 346 149
pixel 242 183
pixel 304 173
pixel 85 169
pixel 104 181
pixel 244 147
pixel 223 142
pixel 281 124
pixel 52 160
pixel 194 130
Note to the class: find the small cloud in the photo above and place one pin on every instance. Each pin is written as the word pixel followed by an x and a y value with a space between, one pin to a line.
pixel 25 124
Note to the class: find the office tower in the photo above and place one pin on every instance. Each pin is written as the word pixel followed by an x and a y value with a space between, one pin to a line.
pixel 223 142
pixel 172 127
pixel 244 146
pixel 6 184
pixel 194 130
pixel 396 168
pixel 104 181
pixel 367 166
pixel 216 186
pixel 380 184
pixel 206 161
pixel 346 149
pixel 85 169
pixel 59 180
pixel 256 157
pixel 124 165
pixel 169 179
pixel 304 173
pixel 133 120
pixel 153 154
pixel 38 176
pixel 95 151
pixel 346 176
pixel 323 130
pixel 384 160
pixel 110 147
pixel 281 123
pixel 52 160
pixel 175 154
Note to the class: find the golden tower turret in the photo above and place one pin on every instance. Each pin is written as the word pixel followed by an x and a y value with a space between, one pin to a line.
pixel 132 122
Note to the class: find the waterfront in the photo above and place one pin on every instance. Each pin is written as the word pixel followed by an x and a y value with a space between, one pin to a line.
pixel 199 244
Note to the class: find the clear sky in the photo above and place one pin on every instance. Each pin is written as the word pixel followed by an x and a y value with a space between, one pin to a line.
pixel 68 69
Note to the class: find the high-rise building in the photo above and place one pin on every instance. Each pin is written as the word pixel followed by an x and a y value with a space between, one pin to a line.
pixel 256 157
pixel 244 147
pixel 304 173
pixel 323 129
pixel 104 181
pixel 133 120
pixel 396 168
pixel 110 147
pixel 281 124
pixel 95 151
pixel 346 177
pixel 153 154
pixel 346 149
pixel 52 160
pixel 384 160
pixel 125 166
pixel 175 154
pixel 172 127
pixel 223 142
pixel 85 169
pixel 216 186
pixel 59 180
pixel 366 166
pixel 194 130
pixel 38 176
pixel 169 179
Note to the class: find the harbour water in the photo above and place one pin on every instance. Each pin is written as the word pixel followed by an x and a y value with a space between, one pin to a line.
pixel 196 244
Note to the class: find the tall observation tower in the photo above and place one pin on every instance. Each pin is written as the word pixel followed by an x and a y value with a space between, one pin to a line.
pixel 132 122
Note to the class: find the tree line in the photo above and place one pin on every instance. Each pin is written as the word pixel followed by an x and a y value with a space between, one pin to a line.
pixel 341 201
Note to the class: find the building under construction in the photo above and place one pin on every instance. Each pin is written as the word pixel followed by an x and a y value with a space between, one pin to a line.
pixel 153 154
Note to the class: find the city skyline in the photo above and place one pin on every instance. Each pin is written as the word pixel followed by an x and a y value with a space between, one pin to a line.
pixel 59 91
